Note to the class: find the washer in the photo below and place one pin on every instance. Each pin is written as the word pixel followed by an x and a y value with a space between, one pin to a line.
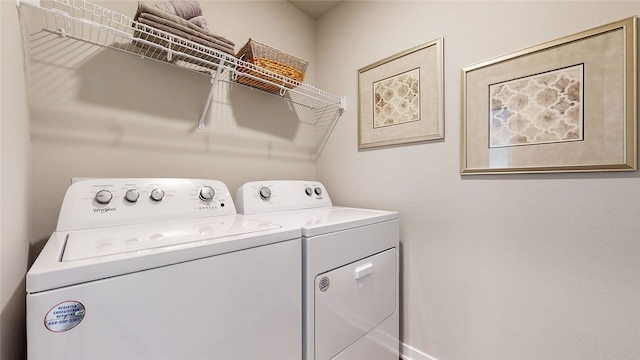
pixel 350 268
pixel 163 269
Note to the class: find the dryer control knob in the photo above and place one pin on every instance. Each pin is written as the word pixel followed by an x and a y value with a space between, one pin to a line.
pixel 318 191
pixel 308 191
pixel 103 196
pixel 206 193
pixel 132 195
pixel 157 194
pixel 265 193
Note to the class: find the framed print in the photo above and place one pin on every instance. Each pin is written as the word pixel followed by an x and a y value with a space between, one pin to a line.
pixel 400 98
pixel 562 106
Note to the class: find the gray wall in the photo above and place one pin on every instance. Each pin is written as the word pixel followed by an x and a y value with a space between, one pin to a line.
pixel 496 267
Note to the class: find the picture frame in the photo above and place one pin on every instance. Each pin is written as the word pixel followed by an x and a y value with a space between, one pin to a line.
pixel 401 98
pixel 568 105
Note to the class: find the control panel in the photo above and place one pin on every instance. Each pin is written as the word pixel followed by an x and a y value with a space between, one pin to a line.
pixel 281 195
pixel 94 203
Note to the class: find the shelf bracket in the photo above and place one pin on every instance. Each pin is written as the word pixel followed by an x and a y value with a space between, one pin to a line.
pixel 343 104
pixel 214 83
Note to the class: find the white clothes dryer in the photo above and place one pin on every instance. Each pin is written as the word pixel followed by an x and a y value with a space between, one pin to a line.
pixel 152 269
pixel 350 268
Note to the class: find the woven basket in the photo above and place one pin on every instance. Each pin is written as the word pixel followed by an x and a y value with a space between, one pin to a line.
pixel 273 60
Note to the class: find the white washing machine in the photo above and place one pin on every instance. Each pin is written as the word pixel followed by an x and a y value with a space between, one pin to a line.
pixel 350 268
pixel 151 269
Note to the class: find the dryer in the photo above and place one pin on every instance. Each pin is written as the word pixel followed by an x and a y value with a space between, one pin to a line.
pixel 350 268
pixel 154 269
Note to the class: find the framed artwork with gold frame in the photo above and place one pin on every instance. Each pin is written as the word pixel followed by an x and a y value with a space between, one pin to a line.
pixel 562 106
pixel 400 98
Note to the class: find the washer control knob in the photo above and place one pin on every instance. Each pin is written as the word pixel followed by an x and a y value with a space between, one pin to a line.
pixel 132 195
pixel 318 191
pixel 157 194
pixel 265 193
pixel 308 191
pixel 206 193
pixel 103 197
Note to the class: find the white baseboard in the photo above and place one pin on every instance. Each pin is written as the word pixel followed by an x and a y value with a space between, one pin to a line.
pixel 409 353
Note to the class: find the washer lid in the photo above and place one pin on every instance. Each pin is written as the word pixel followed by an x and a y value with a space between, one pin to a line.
pixel 93 243
pixel 326 220
pixel 75 257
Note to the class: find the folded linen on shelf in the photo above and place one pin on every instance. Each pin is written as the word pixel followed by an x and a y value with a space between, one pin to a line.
pixel 179 23
pixel 186 9
pixel 200 21
pixel 175 29
pixel 151 16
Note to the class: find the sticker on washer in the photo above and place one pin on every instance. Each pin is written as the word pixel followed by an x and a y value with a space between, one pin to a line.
pixel 64 316
pixel 324 284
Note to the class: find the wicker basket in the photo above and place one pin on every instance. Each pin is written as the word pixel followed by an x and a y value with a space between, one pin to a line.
pixel 273 60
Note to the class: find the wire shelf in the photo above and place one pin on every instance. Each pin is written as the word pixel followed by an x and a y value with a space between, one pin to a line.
pixel 91 23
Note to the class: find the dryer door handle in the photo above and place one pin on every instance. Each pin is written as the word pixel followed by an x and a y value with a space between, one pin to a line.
pixel 363 270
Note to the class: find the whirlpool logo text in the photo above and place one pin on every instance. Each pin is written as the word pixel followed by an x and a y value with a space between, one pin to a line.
pixel 104 210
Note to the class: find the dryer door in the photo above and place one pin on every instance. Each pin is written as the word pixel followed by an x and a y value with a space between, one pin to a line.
pixel 352 300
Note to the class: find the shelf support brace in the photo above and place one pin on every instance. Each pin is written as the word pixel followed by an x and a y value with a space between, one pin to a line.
pixel 214 84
